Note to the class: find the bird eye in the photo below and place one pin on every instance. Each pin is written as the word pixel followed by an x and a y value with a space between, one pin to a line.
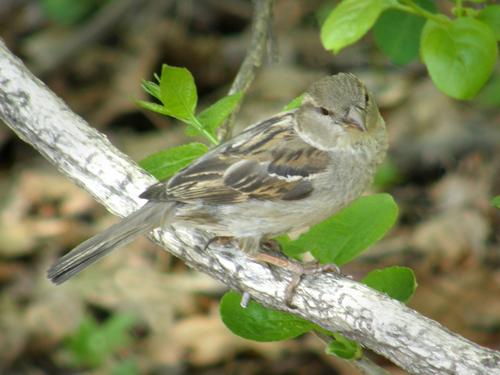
pixel 367 98
pixel 324 111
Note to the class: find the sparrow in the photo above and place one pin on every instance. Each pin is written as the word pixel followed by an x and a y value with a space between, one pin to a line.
pixel 281 175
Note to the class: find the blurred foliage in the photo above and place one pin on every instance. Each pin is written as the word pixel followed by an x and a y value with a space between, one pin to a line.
pixel 387 175
pixel 93 344
pixel 496 201
pixel 69 12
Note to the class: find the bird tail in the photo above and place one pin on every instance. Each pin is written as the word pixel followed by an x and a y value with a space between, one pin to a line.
pixel 145 219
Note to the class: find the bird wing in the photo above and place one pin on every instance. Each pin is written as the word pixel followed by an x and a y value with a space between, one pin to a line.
pixel 268 161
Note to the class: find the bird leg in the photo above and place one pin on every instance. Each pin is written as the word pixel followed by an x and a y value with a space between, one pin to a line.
pixel 251 246
pixel 299 270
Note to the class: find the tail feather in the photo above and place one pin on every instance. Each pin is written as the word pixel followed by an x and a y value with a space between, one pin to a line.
pixel 140 222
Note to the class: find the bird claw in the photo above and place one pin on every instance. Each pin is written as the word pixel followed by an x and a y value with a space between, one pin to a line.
pixel 302 270
pixel 298 270
pixel 245 300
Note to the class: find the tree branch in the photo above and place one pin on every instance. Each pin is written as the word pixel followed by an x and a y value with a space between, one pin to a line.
pixel 337 303
pixel 261 31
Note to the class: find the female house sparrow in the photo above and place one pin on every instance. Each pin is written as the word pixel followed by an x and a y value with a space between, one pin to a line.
pixel 281 175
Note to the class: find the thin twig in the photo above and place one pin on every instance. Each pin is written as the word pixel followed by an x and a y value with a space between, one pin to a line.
pixel 261 33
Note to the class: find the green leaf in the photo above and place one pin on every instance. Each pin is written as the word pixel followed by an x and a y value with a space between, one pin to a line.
pixel 345 235
pixel 178 92
pixel 193 131
pixel 166 163
pixel 489 96
pixel 212 117
pixel 255 322
pixel 295 103
pixel 491 16
pixel 291 248
pixel 153 107
pixel 496 201
pixel 151 88
pixel 460 56
pixel 344 348
pixel 195 128
pixel 397 33
pixel 397 282
pixel 349 21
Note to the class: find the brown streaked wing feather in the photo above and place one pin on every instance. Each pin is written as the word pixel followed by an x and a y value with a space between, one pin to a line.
pixel 201 180
pixel 298 159
pixel 253 179
pixel 267 161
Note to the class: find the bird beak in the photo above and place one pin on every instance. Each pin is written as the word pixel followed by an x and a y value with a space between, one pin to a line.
pixel 356 119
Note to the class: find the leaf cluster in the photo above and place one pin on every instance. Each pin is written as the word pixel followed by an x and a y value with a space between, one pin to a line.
pixel 176 92
pixel 460 51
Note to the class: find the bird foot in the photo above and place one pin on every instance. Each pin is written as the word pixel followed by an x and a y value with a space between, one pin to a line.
pixel 276 258
pixel 299 270
pixel 218 239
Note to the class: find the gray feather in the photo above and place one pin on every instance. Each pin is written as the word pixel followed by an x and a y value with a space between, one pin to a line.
pixel 140 222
